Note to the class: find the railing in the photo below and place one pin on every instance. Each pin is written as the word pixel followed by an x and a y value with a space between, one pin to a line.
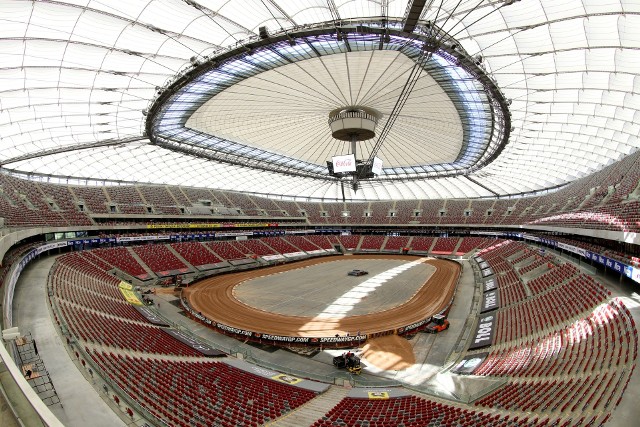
pixel 23 400
pixel 353 115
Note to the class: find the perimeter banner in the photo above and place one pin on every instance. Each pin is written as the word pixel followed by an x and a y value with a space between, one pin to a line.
pixel 489 285
pixel 214 225
pixel 485 331
pixel 490 301
pixel 205 349
pixel 487 272
pixel 151 316
pixel 413 326
pixel 275 339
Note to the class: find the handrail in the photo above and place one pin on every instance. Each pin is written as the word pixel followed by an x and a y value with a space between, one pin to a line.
pixel 44 413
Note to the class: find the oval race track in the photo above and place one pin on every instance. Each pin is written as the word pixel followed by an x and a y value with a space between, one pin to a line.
pixel 213 297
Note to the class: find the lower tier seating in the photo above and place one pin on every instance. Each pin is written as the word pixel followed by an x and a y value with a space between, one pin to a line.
pixel 201 393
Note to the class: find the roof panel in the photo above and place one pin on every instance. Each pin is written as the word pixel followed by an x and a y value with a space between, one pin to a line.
pixel 571 69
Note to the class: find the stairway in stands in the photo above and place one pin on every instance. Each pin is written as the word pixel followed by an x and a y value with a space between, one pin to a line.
pixel 313 410
pixel 139 261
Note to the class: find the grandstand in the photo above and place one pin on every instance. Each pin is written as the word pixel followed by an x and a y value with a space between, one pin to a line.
pixel 152 147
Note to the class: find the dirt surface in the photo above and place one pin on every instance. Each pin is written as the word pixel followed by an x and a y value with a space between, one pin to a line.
pixel 314 289
pixel 166 291
pixel 213 297
pixel 389 353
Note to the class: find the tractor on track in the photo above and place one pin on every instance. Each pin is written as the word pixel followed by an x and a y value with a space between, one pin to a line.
pixel 348 361
pixel 438 323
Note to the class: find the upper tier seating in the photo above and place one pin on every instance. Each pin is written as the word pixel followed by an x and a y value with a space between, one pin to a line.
pixel 23 203
pixel 160 198
pixel 405 212
pixel 243 202
pixel 479 209
pixel 126 195
pixel 178 195
pixel 606 200
pixel 196 195
pixel 334 212
pixel 313 212
pixel 94 198
pixel 291 208
pixel 455 210
pixel 268 206
pixel 380 212
pixel 430 211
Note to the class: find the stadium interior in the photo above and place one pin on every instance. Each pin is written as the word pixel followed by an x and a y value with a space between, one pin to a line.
pixel 319 213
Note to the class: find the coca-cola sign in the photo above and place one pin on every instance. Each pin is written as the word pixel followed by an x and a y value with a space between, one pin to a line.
pixel 344 163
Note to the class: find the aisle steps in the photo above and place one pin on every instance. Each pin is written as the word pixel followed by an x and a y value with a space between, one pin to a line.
pixel 313 410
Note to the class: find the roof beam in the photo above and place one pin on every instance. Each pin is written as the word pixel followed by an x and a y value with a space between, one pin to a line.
pixel 482 185
pixel 334 10
pixel 71 148
pixel 282 12
pixel 412 15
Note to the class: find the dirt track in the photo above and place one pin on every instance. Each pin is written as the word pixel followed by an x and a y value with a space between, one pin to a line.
pixel 214 298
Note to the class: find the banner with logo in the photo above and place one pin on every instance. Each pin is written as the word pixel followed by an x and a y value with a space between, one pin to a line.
pixel 142 238
pixel 287 379
pixel 50 246
pixel 151 316
pixel 202 348
pixel 130 296
pixel 611 263
pixel 377 166
pixel 215 225
pixel 490 301
pixel 469 364
pixel 485 331
pixel 125 285
pixel 346 163
pixel 489 285
pixel 378 395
